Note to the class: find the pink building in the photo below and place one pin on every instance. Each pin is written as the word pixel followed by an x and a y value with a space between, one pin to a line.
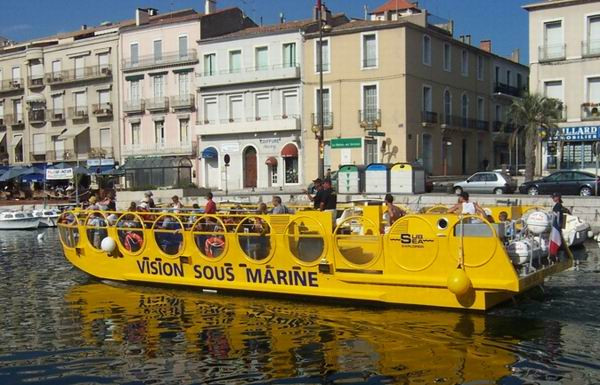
pixel 157 87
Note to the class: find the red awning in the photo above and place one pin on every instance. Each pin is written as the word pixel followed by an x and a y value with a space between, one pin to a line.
pixel 271 161
pixel 289 151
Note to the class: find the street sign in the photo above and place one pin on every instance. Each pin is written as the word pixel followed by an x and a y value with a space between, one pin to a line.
pixel 346 143
pixel 227 159
pixel 376 133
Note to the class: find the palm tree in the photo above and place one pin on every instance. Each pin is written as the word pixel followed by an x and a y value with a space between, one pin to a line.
pixel 535 117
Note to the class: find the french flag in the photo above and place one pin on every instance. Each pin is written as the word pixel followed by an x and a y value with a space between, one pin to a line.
pixel 555 237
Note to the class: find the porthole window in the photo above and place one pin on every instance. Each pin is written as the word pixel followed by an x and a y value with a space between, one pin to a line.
pixel 442 224
pixel 68 230
pixel 95 228
pixel 304 238
pixel 209 236
pixel 358 241
pixel 130 232
pixel 254 237
pixel 168 233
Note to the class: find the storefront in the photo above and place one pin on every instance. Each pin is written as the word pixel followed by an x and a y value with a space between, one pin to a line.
pixel 153 172
pixel 575 148
pixel 255 161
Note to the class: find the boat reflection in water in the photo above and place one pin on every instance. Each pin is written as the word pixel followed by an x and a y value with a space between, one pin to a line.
pixel 200 337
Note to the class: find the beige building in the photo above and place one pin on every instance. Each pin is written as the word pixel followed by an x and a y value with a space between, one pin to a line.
pixel 58 98
pixel 564 45
pixel 401 88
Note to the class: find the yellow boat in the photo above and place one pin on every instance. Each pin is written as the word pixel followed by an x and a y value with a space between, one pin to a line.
pixel 434 259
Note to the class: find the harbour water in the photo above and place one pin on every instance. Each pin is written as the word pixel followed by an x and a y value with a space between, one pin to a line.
pixel 58 326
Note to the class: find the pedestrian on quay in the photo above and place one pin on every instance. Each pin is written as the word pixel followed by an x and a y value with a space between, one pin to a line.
pixel 278 207
pixel 316 199
pixel 394 212
pixel 210 207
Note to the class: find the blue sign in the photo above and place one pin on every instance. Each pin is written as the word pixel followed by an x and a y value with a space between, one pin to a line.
pixel 580 133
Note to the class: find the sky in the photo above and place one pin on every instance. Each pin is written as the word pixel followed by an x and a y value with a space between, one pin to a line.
pixel 502 21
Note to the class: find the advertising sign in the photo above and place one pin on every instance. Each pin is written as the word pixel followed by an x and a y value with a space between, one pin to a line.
pixel 59 174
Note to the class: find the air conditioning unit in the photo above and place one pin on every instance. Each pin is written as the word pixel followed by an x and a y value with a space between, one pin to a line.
pixel 105 71
pixel 15 84
pixel 58 116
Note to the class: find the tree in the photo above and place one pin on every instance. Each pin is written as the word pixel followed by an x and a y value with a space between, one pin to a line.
pixel 535 117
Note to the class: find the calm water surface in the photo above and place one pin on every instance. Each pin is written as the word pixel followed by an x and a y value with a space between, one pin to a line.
pixel 57 326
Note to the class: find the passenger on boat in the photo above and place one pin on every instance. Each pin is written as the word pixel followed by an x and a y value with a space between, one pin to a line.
pixel 329 200
pixel 316 199
pixel 92 204
pixel 176 204
pixel 278 207
pixel 97 233
pixel 170 242
pixel 394 212
pixel 262 209
pixel 210 207
pixel 148 199
pixel 195 210
pixel 558 208
pixel 133 240
pixel 132 207
pixel 108 203
pixel 465 207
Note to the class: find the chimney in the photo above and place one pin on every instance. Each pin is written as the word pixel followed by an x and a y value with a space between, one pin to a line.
pixel 141 16
pixel 515 56
pixel 83 27
pixel 485 45
pixel 468 39
pixel 152 11
pixel 281 18
pixel 210 6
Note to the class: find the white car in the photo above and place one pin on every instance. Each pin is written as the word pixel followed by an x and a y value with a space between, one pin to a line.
pixel 488 182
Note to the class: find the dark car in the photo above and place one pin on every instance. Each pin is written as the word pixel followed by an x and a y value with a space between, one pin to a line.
pixel 564 182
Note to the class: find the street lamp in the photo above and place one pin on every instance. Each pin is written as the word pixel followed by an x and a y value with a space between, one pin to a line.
pixel 320 134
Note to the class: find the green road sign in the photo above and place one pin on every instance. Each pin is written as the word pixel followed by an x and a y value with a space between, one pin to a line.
pixel 375 133
pixel 346 143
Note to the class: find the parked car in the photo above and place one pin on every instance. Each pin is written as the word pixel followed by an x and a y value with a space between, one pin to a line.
pixel 486 182
pixel 512 171
pixel 564 182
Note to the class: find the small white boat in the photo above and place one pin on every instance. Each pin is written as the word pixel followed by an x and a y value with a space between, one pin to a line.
pixel 48 217
pixel 576 231
pixel 18 220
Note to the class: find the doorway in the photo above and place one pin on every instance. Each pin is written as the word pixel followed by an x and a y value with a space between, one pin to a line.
pixel 250 169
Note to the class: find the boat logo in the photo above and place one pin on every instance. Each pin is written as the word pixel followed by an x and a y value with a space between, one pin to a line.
pixel 411 240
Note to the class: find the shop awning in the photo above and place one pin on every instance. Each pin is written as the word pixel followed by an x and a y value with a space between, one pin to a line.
pixel 35 98
pixel 100 169
pixel 271 161
pixel 289 151
pixel 72 132
pixel 32 178
pixel 210 153
pixel 15 172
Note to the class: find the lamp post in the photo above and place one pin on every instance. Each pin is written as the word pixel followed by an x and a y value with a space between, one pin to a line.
pixel 321 14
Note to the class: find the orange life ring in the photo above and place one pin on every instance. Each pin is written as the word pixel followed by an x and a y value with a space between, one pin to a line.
pixel 212 243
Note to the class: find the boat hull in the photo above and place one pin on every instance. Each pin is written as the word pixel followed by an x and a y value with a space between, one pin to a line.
pixel 46 222
pixel 20 224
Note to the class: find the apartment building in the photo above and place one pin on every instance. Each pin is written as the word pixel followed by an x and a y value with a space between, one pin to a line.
pixel 250 107
pixel 58 98
pixel 564 45
pixel 159 60
pixel 400 88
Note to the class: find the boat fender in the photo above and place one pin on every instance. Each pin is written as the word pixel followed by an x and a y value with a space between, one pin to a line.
pixel 459 282
pixel 108 245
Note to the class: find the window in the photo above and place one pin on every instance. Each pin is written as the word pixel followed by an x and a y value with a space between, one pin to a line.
pixel 593 90
pixel 262 104
pixel 465 110
pixel 56 68
pixel 464 62
pixel 519 81
pixel 447 57
pixel 16 74
pixel 235 61
pixel 18 146
pixel 210 110
pixel 480 67
pixel 327 117
pixel 426 50
pixel 79 67
pixel 183 47
pixel 103 62
pixel 370 151
pixel 498 114
pixel 508 76
pixel 39 144
pixel 134 53
pixel 289 55
pixel 37 71
pixel 273 172
pixel 497 74
pixel 370 103
pixel 80 101
pixel 183 78
pixel 291 169
pixel 59 148
pixel 157 46
pixel 325 55
pixel 236 108
pixel 2 112
pixel 134 90
pixel 210 64
pixel 261 58
pixel 290 104
pixel 104 98
pixel 184 125
pixel 135 132
pixel 158 86
pixel 105 138
pixel 159 131
pixel 57 104
pixel 369 51
pixel 480 109
pixel 427 99
pixel 593 35
pixel 447 107
pixel 553 41
pixel 1 76
pixel 554 89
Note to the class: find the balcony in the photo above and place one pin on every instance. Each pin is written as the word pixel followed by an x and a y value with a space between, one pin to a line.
pixel 52 156
pixel 327 120
pixel 553 52
pixel 153 61
pixel 590 48
pixel 507 90
pixel 79 75
pixel 368 119
pixel 250 125
pixel 183 102
pixel 482 125
pixel 102 110
pixel 37 116
pixel 56 115
pixel 134 106
pixel 428 117
pixel 11 85
pixel 163 149
pixel 590 111
pixel 78 113
pixel 157 104
pixel 249 75
pixel 35 82
pixel 101 153
pixel 14 120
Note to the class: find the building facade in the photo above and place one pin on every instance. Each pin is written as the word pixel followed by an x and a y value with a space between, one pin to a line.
pixel 400 88
pixel 564 46
pixel 250 108
pixel 59 98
